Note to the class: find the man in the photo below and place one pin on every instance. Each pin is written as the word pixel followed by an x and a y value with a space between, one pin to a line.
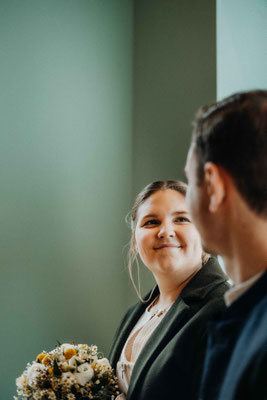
pixel 227 197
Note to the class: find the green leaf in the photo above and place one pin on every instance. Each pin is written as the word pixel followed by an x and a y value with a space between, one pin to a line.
pixel 57 371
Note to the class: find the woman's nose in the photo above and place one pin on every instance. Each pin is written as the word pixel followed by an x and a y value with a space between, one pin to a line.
pixel 166 230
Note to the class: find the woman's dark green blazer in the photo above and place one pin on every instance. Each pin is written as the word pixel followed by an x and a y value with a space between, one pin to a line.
pixel 170 364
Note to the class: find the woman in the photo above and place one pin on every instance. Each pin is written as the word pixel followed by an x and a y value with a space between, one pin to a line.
pixel 159 347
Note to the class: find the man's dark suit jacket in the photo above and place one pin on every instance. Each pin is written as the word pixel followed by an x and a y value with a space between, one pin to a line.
pixel 236 360
pixel 170 364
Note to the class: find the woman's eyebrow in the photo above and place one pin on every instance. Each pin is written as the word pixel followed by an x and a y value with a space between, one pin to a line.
pixel 174 213
pixel 180 212
pixel 150 216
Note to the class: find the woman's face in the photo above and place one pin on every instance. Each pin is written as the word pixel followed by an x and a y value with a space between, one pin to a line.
pixel 165 237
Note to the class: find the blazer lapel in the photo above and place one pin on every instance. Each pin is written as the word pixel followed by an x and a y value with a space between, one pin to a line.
pixel 126 328
pixel 169 325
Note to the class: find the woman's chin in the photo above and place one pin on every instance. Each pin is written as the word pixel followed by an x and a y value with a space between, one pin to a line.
pixel 169 268
pixel 173 270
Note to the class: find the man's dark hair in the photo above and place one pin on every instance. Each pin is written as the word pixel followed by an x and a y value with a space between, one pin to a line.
pixel 232 133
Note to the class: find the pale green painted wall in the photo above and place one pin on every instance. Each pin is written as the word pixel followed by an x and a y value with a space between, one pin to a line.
pixel 65 151
pixel 174 74
pixel 241 46
pixel 69 164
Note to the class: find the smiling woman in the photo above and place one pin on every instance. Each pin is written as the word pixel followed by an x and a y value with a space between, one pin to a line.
pixel 159 347
pixel 166 240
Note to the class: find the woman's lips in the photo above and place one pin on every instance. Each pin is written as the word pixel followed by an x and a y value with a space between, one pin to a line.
pixel 164 246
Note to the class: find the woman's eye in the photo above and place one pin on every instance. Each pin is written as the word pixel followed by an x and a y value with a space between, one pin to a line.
pixel 151 222
pixel 182 219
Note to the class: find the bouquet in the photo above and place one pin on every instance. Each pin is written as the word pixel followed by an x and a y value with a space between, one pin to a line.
pixel 69 372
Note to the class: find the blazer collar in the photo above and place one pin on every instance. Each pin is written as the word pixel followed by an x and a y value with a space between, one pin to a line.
pixel 170 324
pixel 206 279
pixel 127 325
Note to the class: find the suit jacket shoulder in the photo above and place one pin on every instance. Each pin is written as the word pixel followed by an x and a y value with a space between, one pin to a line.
pixel 247 372
pixel 236 358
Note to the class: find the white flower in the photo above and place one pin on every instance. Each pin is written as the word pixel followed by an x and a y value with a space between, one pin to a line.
pixel 38 394
pixel 83 347
pixel 33 372
pixel 61 358
pixel 94 349
pixel 21 381
pixel 66 346
pixel 83 353
pixel 68 378
pixel 65 366
pixel 72 361
pixel 54 351
pixel 85 374
pixel 94 359
pixel 51 395
pixel 104 364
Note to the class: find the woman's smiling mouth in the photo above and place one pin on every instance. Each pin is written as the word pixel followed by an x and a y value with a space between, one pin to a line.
pixel 166 246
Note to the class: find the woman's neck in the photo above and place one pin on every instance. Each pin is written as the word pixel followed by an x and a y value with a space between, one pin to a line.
pixel 170 289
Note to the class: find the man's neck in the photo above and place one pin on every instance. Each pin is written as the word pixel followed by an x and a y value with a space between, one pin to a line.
pixel 248 252
pixel 245 250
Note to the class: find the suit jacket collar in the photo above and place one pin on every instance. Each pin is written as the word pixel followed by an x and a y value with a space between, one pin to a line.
pixel 242 306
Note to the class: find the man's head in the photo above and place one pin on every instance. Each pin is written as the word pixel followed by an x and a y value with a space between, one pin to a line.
pixel 229 142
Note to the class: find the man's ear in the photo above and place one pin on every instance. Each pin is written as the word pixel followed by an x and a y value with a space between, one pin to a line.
pixel 215 186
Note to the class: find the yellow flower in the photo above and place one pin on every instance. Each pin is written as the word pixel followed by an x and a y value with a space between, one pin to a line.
pixel 51 370
pixel 47 360
pixel 69 353
pixel 40 357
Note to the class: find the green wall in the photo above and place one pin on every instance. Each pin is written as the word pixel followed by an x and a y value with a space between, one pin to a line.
pixel 174 74
pixel 241 45
pixel 65 151
pixel 97 99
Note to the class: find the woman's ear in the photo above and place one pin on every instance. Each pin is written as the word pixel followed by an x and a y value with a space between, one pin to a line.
pixel 215 186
